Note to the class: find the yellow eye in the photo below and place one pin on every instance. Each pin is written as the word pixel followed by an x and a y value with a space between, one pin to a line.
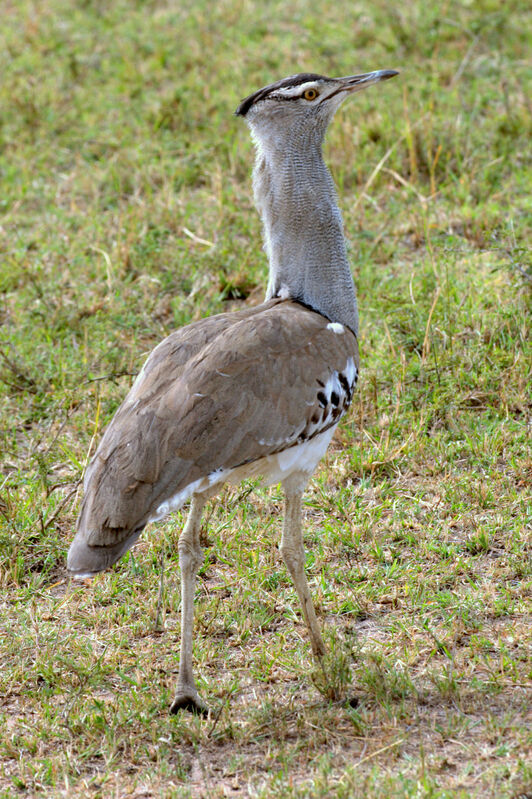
pixel 310 94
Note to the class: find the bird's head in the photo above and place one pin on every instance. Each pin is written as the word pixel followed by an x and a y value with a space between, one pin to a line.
pixel 303 103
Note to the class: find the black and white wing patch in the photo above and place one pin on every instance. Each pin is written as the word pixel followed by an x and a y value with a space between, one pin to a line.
pixel 333 398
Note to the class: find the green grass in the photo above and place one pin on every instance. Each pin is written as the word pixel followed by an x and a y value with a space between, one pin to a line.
pixel 125 212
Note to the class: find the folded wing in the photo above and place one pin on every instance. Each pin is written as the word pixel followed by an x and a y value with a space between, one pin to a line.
pixel 218 394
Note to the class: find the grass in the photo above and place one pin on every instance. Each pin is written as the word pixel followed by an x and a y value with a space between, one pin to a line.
pixel 125 212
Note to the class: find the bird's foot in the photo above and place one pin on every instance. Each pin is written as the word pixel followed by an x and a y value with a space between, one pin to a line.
pixel 189 700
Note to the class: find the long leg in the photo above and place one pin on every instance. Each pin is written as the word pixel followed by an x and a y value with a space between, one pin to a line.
pixel 294 557
pixel 190 559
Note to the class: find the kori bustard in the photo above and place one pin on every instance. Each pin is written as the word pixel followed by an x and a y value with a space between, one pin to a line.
pixel 258 391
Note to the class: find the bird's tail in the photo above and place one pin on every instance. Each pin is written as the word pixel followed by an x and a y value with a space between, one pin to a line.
pixel 86 560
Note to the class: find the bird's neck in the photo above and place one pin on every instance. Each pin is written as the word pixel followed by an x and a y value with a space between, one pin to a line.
pixel 303 231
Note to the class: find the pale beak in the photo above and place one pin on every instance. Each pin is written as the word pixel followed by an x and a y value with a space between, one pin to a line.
pixel 355 83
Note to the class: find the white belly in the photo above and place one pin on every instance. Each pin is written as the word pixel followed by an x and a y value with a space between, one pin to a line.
pixel 276 468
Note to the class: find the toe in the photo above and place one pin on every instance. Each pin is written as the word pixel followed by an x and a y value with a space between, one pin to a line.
pixel 189 702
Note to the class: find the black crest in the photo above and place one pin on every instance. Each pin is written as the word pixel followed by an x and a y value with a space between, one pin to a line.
pixel 285 83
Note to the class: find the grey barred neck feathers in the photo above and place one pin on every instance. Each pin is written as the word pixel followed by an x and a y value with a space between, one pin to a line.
pixel 296 198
